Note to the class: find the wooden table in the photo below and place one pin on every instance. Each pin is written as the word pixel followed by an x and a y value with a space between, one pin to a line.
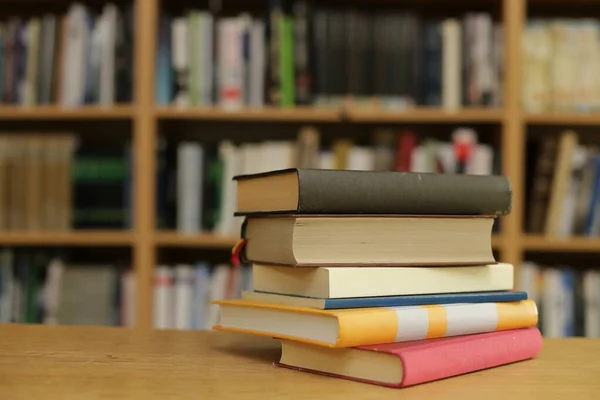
pixel 114 363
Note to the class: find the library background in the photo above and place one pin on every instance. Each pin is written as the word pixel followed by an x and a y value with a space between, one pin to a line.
pixel 122 124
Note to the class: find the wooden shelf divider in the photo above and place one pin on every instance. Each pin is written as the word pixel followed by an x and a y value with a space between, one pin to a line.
pixel 66 238
pixel 582 244
pixel 66 113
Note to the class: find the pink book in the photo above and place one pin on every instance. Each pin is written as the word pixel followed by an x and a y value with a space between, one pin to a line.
pixel 405 364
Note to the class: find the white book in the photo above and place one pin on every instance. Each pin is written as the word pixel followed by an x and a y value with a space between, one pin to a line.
pixel 180 60
pixel 52 290
pixel 555 303
pixel 207 59
pixel 201 300
pixel 128 294
pixel 451 64
pixel 163 298
pixel 184 290
pixel 190 161
pixel 231 66
pixel 591 296
pixel 257 64
pixel 277 155
pixel 361 158
pixel 481 161
pixel 74 67
pixel 218 290
pixel 326 160
pixel 32 38
pixel 107 63
pixel 228 156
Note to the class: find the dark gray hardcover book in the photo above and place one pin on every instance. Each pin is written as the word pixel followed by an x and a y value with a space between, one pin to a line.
pixel 311 191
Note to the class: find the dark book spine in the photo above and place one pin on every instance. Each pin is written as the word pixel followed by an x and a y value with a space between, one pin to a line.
pixel 302 60
pixel 337 192
pixel 432 60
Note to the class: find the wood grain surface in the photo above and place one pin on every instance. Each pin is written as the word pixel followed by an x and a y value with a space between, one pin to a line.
pixel 40 362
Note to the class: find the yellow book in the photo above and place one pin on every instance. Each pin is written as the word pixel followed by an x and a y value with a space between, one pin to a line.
pixel 365 326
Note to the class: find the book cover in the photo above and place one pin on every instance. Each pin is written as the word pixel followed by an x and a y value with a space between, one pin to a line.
pixel 336 192
pixel 364 326
pixel 424 361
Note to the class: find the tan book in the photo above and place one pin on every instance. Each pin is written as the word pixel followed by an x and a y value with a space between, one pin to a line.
pixel 560 181
pixel 368 240
pixel 33 181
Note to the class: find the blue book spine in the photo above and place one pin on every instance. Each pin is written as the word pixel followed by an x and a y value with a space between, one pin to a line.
pixel 594 199
pixel 421 300
pixel 164 73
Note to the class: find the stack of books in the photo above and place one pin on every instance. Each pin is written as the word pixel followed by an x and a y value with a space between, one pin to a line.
pixel 381 277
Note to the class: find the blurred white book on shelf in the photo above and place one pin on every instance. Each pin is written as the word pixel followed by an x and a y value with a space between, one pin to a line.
pixel 326 160
pixel 184 295
pixel 206 58
pixel 75 58
pixel 190 176
pixel 361 158
pixel 128 299
pixel 52 291
pixel 201 300
pixel 218 291
pixel 164 298
pixel 108 26
pixel 180 61
pixel 591 296
pixel 228 155
pixel 257 64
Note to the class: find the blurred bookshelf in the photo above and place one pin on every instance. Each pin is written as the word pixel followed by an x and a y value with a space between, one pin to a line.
pixel 154 111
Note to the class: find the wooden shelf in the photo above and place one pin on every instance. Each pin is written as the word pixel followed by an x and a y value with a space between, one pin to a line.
pixel 201 240
pixel 296 114
pixel 316 114
pixel 426 115
pixel 64 113
pixel 68 238
pixel 572 244
pixel 564 118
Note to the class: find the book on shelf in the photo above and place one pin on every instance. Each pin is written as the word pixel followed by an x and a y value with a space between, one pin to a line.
pixel 560 57
pixel 55 181
pixel 78 58
pixel 307 54
pixel 568 298
pixel 564 182
pixel 49 287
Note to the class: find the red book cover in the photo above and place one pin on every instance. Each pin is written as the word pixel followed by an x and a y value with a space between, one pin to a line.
pixel 407 141
pixel 430 360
